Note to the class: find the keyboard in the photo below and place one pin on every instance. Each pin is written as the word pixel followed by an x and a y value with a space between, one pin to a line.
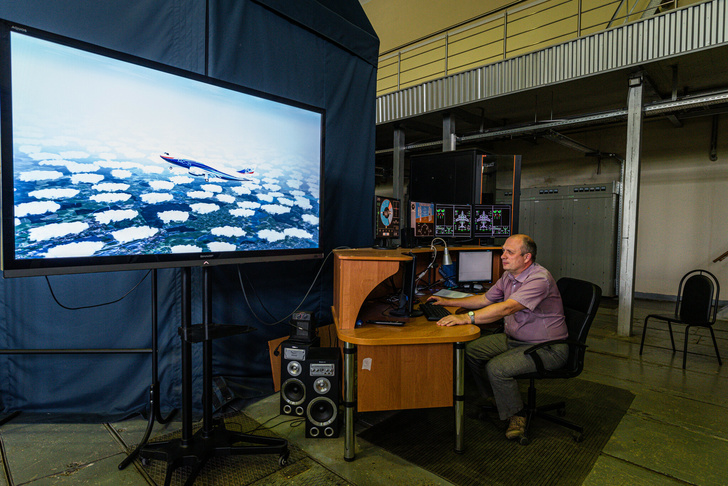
pixel 434 312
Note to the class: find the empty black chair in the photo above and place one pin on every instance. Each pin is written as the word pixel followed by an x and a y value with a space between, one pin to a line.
pixel 581 301
pixel 696 306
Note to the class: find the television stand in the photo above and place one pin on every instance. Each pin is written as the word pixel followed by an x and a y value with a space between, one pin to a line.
pixel 213 439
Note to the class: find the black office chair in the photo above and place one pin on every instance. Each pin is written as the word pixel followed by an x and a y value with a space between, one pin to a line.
pixel 581 300
pixel 696 306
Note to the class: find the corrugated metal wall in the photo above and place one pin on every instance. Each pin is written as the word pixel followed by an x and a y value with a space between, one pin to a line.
pixel 674 33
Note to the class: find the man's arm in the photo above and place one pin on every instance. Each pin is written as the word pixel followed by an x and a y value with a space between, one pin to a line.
pixel 491 313
pixel 472 302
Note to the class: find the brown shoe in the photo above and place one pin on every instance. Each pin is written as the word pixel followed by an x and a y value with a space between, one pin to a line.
pixel 516 427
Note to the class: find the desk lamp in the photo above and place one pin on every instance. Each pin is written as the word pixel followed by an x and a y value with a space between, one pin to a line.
pixel 447 269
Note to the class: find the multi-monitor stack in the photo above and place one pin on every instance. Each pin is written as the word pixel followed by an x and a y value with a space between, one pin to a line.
pixel 455 222
pixel 452 195
pixel 460 221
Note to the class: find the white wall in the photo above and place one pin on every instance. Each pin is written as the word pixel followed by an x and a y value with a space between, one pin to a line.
pixel 683 207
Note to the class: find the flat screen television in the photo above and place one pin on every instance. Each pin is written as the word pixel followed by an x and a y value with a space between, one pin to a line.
pixel 113 162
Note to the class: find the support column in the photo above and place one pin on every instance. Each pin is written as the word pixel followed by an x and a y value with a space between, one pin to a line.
pixel 630 200
pixel 449 139
pixel 398 164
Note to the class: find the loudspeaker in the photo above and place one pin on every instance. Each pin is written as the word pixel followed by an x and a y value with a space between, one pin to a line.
pixel 293 385
pixel 323 384
pixel 303 327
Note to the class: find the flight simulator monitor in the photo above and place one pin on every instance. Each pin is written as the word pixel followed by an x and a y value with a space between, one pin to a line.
pixel 422 219
pixel 453 220
pixel 491 220
pixel 386 217
pixel 475 267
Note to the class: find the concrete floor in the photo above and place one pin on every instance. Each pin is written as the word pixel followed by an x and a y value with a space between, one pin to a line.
pixel 675 432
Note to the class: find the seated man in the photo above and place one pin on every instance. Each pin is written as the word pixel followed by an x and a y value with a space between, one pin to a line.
pixel 527 299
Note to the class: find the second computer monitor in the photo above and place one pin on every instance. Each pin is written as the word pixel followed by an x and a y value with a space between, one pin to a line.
pixel 453 220
pixel 491 220
pixel 422 219
pixel 475 267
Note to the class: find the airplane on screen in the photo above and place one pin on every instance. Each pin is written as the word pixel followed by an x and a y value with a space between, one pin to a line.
pixel 200 169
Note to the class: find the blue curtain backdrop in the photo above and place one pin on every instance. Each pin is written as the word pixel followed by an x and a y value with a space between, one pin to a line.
pixel 318 52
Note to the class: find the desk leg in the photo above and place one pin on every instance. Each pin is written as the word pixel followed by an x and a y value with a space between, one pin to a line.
pixel 349 401
pixel 459 395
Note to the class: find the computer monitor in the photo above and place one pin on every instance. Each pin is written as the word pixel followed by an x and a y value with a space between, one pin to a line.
pixel 453 221
pixel 408 293
pixel 386 217
pixel 475 267
pixel 491 221
pixel 422 219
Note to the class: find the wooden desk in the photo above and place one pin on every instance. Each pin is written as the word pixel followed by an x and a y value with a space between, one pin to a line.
pixel 418 365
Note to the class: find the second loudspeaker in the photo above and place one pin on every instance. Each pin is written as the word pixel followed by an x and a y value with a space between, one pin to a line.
pixel 324 392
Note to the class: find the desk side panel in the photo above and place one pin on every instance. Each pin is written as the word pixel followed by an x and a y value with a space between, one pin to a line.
pixel 404 377
pixel 353 282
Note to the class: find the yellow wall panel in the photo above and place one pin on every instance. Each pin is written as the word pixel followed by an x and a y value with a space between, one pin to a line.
pixel 546 35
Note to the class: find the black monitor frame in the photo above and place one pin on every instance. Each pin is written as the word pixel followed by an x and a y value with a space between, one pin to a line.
pixel 408 293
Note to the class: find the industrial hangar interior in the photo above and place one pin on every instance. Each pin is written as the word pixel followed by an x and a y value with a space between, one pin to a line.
pixel 627 99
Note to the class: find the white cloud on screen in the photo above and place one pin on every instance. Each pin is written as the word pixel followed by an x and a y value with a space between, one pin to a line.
pixel 84 248
pixel 56 230
pixel 181 179
pixel 303 203
pixel 37 207
pixel 115 215
pixel 131 234
pixel 228 231
pixel 53 193
pixel 241 190
pixel 204 208
pixel 174 216
pixel 297 233
pixel 221 246
pixel 185 249
pixel 211 187
pixel 275 209
pixel 87 178
pixel 40 175
pixel 121 174
pixel 161 185
pixel 156 197
pixel 110 197
pixel 271 235
pixel 249 204
pixel 225 198
pixel 243 213
pixel 110 187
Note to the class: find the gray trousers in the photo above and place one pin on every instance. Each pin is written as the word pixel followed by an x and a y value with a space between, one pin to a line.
pixel 495 359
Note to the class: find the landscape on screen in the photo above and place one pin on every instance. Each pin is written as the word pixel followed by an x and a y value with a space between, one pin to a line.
pixel 114 159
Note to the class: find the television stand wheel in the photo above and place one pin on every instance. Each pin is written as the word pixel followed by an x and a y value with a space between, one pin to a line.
pixel 283 459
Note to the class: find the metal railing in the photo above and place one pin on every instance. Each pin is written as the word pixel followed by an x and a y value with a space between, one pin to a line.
pixel 516 30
